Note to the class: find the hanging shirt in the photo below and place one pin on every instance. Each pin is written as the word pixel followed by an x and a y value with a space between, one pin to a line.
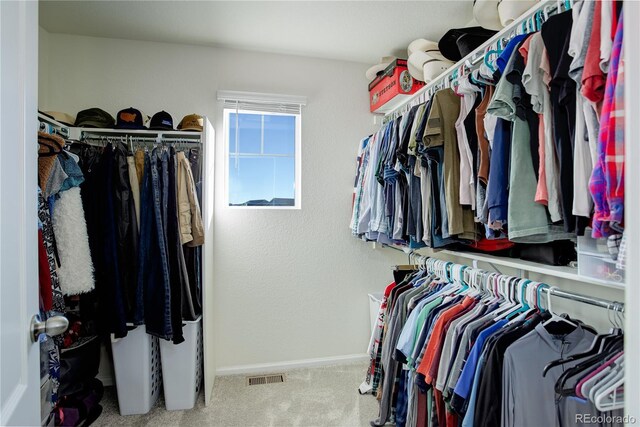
pixel 467 185
pixel 593 79
pixel 437 335
pixel 440 132
pixel 556 33
pixel 532 80
pixel 607 180
pixel 483 140
pixel 527 395
pixel 606 31
pixel 463 386
pixel 586 119
pixel 484 411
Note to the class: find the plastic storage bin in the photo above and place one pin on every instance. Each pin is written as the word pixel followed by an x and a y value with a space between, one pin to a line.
pixel 594 259
pixel 182 368
pixel 375 300
pixel 136 362
pixel 591 246
pixel 599 267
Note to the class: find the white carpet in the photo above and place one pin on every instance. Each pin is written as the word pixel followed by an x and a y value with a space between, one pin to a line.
pixel 325 396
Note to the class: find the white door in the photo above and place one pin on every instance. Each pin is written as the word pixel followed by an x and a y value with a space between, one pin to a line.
pixel 19 357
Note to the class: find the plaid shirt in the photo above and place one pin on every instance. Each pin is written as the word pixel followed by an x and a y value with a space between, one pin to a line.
pixel 607 180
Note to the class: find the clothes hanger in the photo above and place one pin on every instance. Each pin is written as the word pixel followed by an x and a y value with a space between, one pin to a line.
pixel 596 348
pixel 547 10
pixel 554 317
pixel 610 396
pixel 584 389
pixel 541 19
pixel 525 309
pixel 599 341
pixel 608 351
pixel 605 382
pixel 515 305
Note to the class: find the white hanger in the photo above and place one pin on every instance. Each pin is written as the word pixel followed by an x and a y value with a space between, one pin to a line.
pixel 607 397
pixel 593 381
pixel 554 316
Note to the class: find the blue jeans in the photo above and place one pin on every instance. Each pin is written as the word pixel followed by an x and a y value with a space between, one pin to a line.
pixel 153 260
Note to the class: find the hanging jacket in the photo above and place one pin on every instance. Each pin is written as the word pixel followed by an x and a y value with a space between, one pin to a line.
pixel 191 227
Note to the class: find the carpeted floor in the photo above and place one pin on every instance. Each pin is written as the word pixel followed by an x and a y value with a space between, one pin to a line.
pixel 326 396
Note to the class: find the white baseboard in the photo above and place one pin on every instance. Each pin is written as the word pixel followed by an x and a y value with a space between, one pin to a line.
pixel 265 368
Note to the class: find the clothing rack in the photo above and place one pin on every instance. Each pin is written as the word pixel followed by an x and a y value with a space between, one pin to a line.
pixel 421 260
pixel 142 136
pixel 528 22
pixel 137 141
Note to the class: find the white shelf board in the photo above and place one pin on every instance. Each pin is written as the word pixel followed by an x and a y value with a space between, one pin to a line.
pixel 568 273
pixel 144 132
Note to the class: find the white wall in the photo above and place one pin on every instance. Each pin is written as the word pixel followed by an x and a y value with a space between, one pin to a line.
pixel 289 284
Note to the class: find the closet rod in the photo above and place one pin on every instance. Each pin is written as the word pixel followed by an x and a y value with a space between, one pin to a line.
pixel 548 7
pixel 139 140
pixel 598 302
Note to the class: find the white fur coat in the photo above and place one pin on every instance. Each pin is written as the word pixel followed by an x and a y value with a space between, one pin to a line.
pixel 70 228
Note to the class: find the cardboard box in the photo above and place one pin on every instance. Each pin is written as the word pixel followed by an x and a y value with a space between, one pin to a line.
pixel 392 87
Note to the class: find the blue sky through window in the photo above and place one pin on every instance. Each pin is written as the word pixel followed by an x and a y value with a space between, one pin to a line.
pixel 261 158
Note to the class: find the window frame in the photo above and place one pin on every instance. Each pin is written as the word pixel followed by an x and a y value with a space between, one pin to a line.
pixel 297 157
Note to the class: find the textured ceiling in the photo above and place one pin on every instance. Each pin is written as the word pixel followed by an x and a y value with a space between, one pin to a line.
pixel 360 31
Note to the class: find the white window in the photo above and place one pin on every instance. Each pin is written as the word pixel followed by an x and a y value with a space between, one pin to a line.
pixel 262 150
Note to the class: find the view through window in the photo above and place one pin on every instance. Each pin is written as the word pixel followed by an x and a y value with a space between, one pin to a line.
pixel 261 156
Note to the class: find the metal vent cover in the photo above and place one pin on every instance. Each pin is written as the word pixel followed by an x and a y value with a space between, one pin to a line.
pixel 266 379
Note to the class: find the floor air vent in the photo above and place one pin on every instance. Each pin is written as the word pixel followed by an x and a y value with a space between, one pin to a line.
pixel 265 379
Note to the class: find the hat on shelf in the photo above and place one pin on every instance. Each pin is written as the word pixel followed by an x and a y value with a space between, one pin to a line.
pixel 510 10
pixel 486 14
pixel 422 45
pixel 379 67
pixel 432 69
pixel 161 121
pixel 191 122
pixel 64 118
pixel 459 42
pixel 94 118
pixel 130 118
pixel 425 60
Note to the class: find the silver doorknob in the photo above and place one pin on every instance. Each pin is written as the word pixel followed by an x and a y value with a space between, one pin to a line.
pixel 54 325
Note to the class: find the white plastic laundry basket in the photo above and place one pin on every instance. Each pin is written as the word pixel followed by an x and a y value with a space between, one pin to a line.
pixel 136 362
pixel 182 368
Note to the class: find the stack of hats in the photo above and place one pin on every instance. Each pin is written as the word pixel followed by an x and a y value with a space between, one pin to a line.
pixel 426 61
pixel 497 14
pixel 129 118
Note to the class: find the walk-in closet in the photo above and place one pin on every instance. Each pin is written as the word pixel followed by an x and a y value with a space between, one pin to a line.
pixel 310 213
